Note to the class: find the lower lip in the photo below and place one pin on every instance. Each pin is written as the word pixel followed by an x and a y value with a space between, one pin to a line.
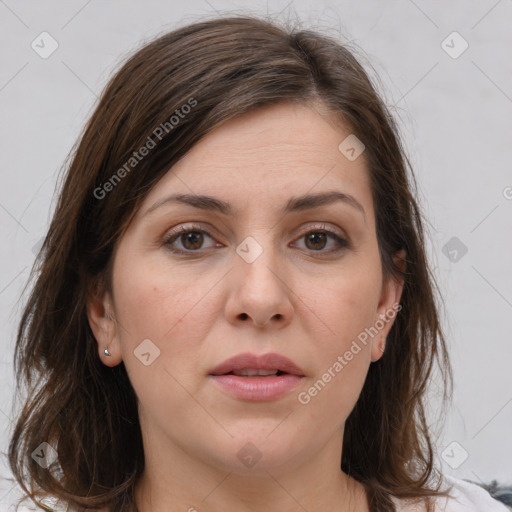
pixel 257 389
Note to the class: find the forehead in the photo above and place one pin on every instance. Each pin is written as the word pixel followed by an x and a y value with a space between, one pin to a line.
pixel 268 155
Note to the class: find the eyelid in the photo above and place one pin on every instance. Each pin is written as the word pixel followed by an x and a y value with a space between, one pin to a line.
pixel 343 241
pixel 321 226
pixel 185 228
pixel 303 230
pixel 188 226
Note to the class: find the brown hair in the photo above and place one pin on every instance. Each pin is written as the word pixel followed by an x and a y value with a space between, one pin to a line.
pixel 221 69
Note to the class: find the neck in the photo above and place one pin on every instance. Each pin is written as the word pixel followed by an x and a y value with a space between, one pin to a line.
pixel 176 482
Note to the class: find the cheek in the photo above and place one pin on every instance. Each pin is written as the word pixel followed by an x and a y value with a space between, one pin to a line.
pixel 172 311
pixel 346 304
pixel 153 301
pixel 346 307
pixel 168 308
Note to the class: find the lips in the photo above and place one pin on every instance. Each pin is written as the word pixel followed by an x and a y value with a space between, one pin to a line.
pixel 253 366
pixel 252 378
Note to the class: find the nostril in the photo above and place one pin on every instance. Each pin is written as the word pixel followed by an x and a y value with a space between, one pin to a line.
pixel 244 316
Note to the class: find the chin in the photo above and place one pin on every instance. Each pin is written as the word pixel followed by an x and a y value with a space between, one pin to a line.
pixel 250 455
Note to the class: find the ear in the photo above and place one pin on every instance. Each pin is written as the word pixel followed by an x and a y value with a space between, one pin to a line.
pixel 388 308
pixel 104 326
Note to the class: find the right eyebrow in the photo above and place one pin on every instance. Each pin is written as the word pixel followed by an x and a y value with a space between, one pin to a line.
pixel 197 201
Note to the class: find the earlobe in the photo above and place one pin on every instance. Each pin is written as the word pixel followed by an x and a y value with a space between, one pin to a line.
pixel 389 306
pixel 378 347
pixel 104 327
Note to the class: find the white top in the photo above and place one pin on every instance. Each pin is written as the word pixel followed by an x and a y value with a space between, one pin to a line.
pixel 467 497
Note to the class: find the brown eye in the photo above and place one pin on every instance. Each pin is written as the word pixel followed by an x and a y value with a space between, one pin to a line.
pixel 188 240
pixel 319 240
pixel 192 240
pixel 316 240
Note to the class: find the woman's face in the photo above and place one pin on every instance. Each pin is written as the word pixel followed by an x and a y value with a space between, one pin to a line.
pixel 259 266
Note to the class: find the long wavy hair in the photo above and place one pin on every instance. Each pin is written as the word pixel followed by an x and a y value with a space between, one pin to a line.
pixel 221 68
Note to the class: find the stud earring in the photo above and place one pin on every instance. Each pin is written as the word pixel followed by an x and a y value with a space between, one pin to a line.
pixel 107 353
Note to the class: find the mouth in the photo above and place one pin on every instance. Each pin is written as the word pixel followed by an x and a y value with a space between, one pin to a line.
pixel 253 378
pixel 253 372
pixel 252 365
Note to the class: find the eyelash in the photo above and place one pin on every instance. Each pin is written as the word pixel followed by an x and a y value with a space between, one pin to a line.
pixel 173 236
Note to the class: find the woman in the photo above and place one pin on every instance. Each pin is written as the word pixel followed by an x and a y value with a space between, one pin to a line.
pixel 233 309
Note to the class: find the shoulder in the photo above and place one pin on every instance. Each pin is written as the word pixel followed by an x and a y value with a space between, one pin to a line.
pixel 464 497
pixel 469 497
pixel 92 510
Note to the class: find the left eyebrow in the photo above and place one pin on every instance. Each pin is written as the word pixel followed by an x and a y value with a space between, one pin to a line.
pixel 311 201
pixel 295 204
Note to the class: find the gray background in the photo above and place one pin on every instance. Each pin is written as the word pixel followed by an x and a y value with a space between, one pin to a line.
pixel 455 115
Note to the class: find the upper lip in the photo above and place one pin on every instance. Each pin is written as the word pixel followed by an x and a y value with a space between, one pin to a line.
pixel 270 361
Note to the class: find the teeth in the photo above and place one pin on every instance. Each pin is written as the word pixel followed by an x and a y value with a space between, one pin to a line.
pixel 250 372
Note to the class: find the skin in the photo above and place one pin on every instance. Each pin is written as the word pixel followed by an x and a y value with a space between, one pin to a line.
pixel 307 301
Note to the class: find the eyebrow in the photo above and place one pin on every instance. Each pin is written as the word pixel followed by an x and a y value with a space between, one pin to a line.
pixel 295 204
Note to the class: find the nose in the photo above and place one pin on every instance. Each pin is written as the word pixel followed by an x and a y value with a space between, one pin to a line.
pixel 259 292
